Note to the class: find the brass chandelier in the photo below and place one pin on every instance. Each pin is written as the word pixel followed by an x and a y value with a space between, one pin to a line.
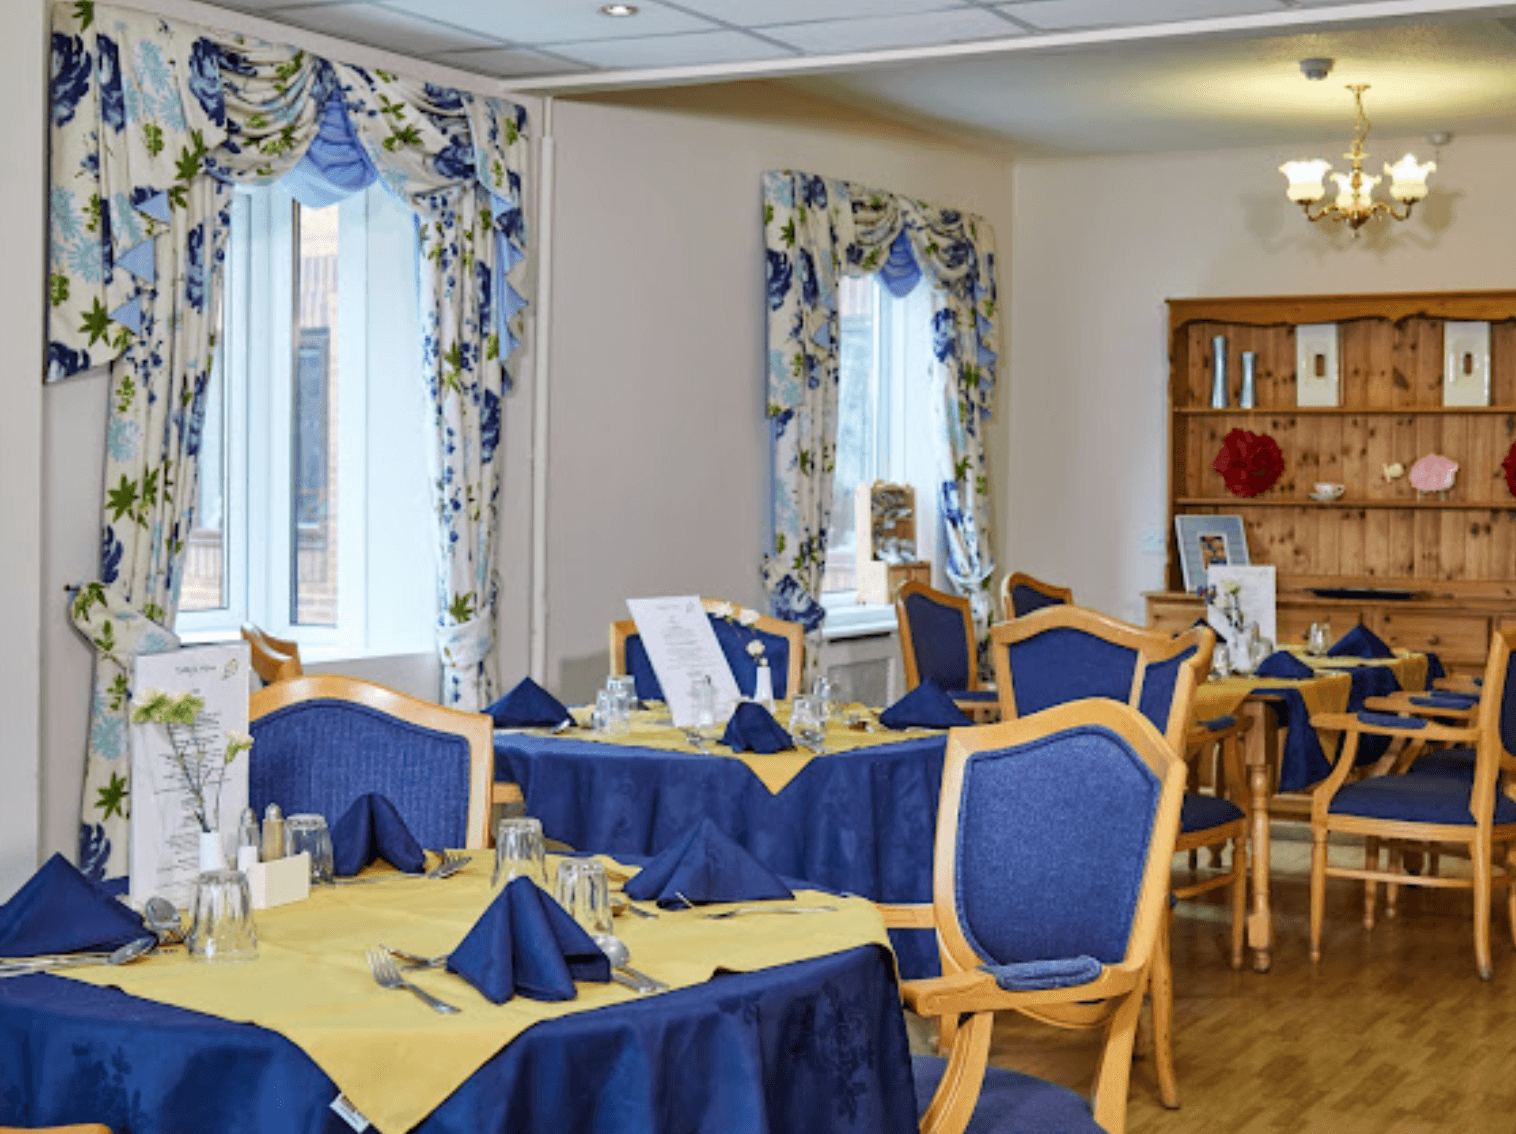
pixel 1355 202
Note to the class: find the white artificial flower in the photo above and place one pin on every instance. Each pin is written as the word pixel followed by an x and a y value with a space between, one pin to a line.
pixel 724 610
pixel 755 648
pixel 748 617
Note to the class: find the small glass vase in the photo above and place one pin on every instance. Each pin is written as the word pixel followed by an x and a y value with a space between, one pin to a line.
pixel 1249 397
pixel 763 686
pixel 212 855
pixel 1218 373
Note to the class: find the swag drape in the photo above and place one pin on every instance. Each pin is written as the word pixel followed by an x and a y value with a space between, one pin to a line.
pixel 816 230
pixel 152 120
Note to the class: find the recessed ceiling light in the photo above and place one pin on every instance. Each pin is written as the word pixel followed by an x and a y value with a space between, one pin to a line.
pixel 618 9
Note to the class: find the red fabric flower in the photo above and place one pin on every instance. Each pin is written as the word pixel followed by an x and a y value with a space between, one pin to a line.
pixel 1509 464
pixel 1250 463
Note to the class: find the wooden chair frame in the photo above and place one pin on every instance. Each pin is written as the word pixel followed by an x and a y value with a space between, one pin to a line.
pixel 274 659
pixel 1479 839
pixel 476 728
pixel 1009 584
pixel 1232 783
pixel 965 998
pixel 792 632
pixel 979 711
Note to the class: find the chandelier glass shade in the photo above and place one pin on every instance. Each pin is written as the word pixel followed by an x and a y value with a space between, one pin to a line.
pixel 1354 203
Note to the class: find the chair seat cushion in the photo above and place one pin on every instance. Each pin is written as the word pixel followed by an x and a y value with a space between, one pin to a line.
pixel 1202 811
pixel 1416 799
pixel 972 694
pixel 1455 762
pixel 1010 1102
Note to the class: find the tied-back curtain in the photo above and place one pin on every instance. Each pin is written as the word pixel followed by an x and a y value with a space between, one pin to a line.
pixel 815 230
pixel 151 121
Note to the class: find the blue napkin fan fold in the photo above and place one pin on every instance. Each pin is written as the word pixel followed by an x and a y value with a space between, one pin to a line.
pixel 1283 664
pixel 1360 642
pixel 926 706
pixel 752 727
pixel 372 828
pixel 59 910
pixel 705 865
pixel 528 705
pixel 524 943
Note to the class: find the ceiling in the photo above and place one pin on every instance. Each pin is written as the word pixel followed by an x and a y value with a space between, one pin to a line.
pixel 1026 76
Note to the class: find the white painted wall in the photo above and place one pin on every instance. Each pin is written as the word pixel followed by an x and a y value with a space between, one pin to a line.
pixel 658 474
pixel 1098 244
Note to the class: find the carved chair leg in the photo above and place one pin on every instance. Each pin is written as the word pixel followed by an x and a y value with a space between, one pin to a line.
pixel 1370 887
pixel 1163 1016
pixel 1481 863
pixel 1239 896
pixel 1510 888
pixel 1392 889
pixel 1318 887
pixel 1113 1069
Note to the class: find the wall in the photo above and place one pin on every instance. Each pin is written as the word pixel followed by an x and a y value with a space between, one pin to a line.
pixel 1100 243
pixel 658 455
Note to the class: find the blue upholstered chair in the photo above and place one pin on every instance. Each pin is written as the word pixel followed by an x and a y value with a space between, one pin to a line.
pixel 1021 594
pixel 937 642
pixel 1054 838
pixel 1212 821
pixel 320 742
pixel 1063 653
pixel 783 646
pixel 1472 813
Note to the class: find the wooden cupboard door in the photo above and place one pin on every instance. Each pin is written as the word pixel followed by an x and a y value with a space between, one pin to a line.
pixel 1460 639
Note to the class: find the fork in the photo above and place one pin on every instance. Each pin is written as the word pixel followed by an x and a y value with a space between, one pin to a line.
pixel 450 863
pixel 723 914
pixel 388 976
pixel 415 960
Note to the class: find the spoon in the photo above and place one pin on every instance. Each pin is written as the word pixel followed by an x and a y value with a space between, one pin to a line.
pixel 163 919
pixel 125 955
pixel 615 948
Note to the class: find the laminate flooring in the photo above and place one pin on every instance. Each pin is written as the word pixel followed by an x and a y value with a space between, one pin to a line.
pixel 1392 1032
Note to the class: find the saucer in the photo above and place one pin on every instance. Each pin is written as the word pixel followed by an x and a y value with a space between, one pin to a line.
pixel 1325 497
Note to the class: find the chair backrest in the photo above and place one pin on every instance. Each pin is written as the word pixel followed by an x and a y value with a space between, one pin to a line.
pixel 274 659
pixel 1054 836
pixel 936 637
pixel 783 646
pixel 1497 724
pixel 1064 653
pixel 320 742
pixel 1021 594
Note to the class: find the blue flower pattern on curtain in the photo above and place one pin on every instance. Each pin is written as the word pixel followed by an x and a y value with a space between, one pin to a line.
pixel 815 230
pixel 152 120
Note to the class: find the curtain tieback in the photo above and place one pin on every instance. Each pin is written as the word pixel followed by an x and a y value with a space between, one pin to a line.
pixel 467 643
pixel 114 627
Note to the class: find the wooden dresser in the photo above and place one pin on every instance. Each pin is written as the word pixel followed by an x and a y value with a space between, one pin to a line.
pixel 1456 551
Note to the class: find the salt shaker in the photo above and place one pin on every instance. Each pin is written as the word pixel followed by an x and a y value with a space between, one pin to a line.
pixel 273 833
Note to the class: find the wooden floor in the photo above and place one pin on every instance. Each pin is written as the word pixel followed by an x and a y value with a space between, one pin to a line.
pixel 1392 1033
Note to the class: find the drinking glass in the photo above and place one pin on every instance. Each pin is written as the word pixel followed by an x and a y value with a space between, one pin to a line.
pixel 1221 661
pixel 308 833
pixel 618 721
pixel 605 709
pixel 808 721
pixel 581 890
pixel 703 695
pixel 824 692
pixel 1320 638
pixel 624 687
pixel 221 918
pixel 519 851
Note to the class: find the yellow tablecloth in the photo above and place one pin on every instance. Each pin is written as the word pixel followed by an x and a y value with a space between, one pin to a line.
pixel 652 729
pixel 394 1058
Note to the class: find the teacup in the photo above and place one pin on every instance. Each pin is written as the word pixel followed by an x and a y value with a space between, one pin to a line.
pixel 1326 490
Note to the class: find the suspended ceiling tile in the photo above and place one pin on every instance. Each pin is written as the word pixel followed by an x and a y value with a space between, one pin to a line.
pixel 672 50
pixel 917 30
pixel 554 21
pixel 1061 15
pixel 506 62
pixel 761 13
pixel 380 27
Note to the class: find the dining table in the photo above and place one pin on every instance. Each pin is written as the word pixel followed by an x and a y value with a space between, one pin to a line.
pixel 1285 756
pixel 859 816
pixel 771 1023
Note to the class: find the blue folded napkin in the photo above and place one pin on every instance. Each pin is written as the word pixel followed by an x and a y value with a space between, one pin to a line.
pixel 705 865
pixel 525 943
pixel 59 910
pixel 371 828
pixel 1283 664
pixel 1030 976
pixel 926 706
pixel 1218 724
pixel 1360 642
pixel 528 705
pixel 754 727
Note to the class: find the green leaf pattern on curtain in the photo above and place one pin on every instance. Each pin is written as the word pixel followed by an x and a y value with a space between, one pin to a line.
pixel 151 119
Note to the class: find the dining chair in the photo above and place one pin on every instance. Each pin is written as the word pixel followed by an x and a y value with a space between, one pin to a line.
pixel 783 646
pixel 320 742
pixel 1064 653
pixel 1021 594
pixel 1054 839
pixel 1224 816
pixel 1472 814
pixel 937 642
pixel 274 659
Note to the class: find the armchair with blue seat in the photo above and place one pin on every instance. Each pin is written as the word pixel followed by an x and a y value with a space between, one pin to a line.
pixel 937 643
pixel 1470 812
pixel 321 742
pixel 783 647
pixel 1020 594
pixel 1050 877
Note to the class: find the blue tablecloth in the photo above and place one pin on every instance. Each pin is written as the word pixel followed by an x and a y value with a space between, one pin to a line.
pixel 1303 763
pixel 862 821
pixel 816 1046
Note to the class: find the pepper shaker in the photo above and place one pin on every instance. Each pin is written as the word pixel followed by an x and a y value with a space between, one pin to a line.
pixel 273 833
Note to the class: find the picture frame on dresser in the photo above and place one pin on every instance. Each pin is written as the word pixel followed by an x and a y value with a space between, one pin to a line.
pixel 1205 540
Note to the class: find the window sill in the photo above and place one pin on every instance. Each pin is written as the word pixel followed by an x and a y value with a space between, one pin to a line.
pixel 847 619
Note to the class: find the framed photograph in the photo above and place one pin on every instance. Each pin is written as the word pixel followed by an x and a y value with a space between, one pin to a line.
pixel 1205 541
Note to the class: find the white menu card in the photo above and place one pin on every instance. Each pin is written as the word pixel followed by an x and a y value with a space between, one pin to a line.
pixel 681 645
pixel 1255 602
pixel 164 853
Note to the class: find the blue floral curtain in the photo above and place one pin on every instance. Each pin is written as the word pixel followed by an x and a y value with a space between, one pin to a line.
pixel 152 120
pixel 815 230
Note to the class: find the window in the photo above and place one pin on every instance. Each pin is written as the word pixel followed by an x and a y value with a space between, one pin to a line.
pixel 314 497
pixel 887 424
